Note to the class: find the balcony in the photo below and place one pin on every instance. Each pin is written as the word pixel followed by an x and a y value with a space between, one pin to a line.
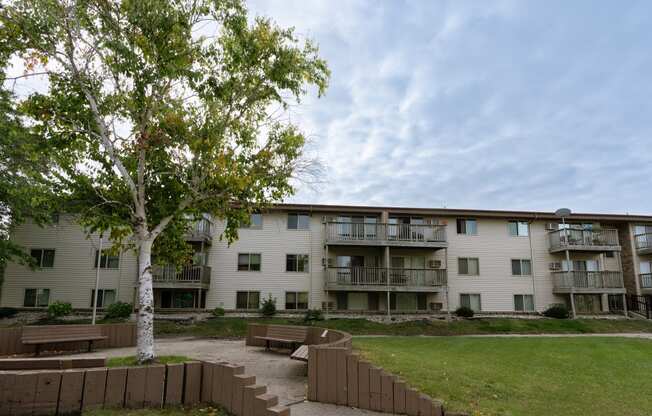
pixel 645 281
pixel 169 276
pixel 643 243
pixel 376 279
pixel 200 232
pixel 584 240
pixel 588 282
pixel 383 234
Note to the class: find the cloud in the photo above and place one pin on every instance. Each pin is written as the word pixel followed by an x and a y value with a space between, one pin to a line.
pixel 503 105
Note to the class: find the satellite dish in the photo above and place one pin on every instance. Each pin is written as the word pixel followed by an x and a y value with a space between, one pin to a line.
pixel 563 212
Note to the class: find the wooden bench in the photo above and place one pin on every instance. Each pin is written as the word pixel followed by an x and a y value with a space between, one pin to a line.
pixel 291 335
pixel 300 353
pixel 39 335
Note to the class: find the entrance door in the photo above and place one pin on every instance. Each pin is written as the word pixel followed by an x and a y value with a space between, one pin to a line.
pixel 397 274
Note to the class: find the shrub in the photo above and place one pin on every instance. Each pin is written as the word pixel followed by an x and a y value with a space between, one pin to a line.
pixel 268 306
pixel 58 309
pixel 464 312
pixel 556 311
pixel 118 310
pixel 313 315
pixel 218 311
pixel 8 312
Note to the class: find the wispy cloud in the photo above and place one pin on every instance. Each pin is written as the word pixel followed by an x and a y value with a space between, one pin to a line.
pixel 497 104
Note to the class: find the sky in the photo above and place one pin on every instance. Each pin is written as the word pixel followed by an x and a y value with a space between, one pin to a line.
pixel 526 105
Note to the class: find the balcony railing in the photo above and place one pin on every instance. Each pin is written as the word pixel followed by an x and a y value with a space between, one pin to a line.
pixel 377 232
pixel 580 239
pixel 643 241
pixel 201 230
pixel 646 280
pixel 583 280
pixel 380 277
pixel 187 274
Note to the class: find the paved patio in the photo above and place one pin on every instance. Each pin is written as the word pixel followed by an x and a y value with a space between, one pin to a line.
pixel 284 377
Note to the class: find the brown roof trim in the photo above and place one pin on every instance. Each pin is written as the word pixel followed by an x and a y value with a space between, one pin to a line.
pixel 459 212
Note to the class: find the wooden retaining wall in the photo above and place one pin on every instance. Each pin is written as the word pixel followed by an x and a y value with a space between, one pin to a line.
pixel 339 376
pixel 67 392
pixel 119 335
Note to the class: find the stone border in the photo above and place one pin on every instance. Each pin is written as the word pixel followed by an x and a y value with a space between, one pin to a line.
pixel 66 392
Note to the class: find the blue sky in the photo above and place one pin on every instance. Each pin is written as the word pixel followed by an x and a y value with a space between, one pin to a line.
pixel 479 104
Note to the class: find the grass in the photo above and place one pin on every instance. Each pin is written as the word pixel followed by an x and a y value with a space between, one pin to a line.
pixel 175 411
pixel 523 376
pixel 237 327
pixel 132 361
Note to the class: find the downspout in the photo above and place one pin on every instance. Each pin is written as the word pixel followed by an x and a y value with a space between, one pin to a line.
pixel 532 270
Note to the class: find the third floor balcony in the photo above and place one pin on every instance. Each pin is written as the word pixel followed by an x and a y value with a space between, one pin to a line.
pixel 604 239
pixel 201 231
pixel 386 234
pixel 643 243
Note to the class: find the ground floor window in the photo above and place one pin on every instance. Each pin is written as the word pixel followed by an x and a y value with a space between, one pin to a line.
pixel 588 303
pixel 36 298
pixel 616 303
pixel 105 297
pixel 471 300
pixel 179 298
pixel 408 301
pixel 247 300
pixel 523 303
pixel 296 300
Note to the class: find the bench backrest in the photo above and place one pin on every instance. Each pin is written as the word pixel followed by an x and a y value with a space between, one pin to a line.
pixel 295 333
pixel 44 333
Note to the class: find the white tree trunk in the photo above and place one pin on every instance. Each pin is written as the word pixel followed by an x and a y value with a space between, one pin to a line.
pixel 145 324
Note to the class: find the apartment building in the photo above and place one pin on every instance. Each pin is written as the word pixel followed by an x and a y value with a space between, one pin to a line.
pixel 362 259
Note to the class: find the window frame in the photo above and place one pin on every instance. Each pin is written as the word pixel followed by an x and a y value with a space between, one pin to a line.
pixel 523 295
pixel 520 262
pixel 249 263
pixel 465 229
pixel 306 263
pixel 518 224
pixel 42 256
pixel 100 297
pixel 248 292
pixel 37 293
pixel 251 225
pixel 107 258
pixel 459 268
pixel 296 300
pixel 298 215
pixel 479 295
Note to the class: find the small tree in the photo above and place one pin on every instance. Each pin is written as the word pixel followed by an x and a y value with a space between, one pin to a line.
pixel 159 111
pixel 268 306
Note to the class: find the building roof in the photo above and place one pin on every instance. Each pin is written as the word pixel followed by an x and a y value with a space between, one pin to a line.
pixel 341 209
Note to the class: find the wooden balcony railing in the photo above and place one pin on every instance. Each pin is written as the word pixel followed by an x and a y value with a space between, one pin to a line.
pixel 643 241
pixel 188 274
pixel 355 231
pixel 381 277
pixel 201 230
pixel 588 280
pixel 645 280
pixel 570 238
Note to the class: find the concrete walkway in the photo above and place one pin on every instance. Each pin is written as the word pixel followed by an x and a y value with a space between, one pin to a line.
pixel 284 377
pixel 642 335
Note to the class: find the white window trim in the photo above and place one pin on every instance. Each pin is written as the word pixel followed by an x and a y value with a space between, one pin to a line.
pixel 42 253
pixel 521 261
pixel 523 294
pixel 287 225
pixel 248 292
pixel 517 234
pixel 468 275
pixel 296 300
pixel 254 227
pixel 307 269
pixel 237 263
pixel 472 294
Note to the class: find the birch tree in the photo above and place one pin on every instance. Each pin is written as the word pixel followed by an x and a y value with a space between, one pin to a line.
pixel 159 111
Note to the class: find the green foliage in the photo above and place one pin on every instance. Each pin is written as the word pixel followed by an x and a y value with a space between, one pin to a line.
pixel 313 315
pixel 557 311
pixel 268 306
pixel 58 309
pixel 118 310
pixel 131 361
pixel 7 312
pixel 464 312
pixel 218 312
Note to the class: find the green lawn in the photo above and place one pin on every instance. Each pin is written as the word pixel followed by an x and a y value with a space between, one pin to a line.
pixel 131 360
pixel 523 376
pixel 237 327
pixel 195 411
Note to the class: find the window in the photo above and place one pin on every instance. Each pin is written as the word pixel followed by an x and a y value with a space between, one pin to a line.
pixel 247 300
pixel 296 300
pixel 296 263
pixel 36 298
pixel 610 254
pixel 108 260
pixel 468 265
pixel 521 267
pixel 467 226
pixel 471 301
pixel 518 228
pixel 105 297
pixel 43 257
pixel 299 221
pixel 54 217
pixel 523 303
pixel 249 262
pixel 255 222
